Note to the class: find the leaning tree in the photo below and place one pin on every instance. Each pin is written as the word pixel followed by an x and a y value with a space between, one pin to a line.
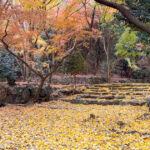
pixel 127 13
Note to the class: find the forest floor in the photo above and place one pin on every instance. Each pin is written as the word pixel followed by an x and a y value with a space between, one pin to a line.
pixel 60 125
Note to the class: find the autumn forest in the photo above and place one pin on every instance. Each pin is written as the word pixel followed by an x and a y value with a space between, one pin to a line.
pixel 74 75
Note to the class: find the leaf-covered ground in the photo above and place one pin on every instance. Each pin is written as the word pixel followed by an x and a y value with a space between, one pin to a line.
pixel 59 125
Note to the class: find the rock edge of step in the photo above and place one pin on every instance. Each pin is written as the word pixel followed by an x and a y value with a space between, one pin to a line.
pixel 106 102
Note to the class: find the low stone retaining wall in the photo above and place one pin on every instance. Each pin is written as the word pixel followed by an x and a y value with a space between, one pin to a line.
pixel 19 94
pixel 79 80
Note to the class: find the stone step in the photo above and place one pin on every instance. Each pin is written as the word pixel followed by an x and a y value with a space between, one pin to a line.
pixel 118 89
pixel 121 86
pixel 92 93
pixel 105 102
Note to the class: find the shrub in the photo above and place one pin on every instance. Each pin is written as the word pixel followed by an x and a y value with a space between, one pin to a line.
pixel 9 68
pixel 74 64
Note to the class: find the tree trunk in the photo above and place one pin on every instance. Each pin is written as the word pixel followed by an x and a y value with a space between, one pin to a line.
pixel 107 51
pixel 49 87
pixel 39 89
pixel 108 66
pixel 75 81
pixel 108 59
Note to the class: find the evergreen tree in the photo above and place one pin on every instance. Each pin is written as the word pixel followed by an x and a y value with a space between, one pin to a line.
pixel 74 64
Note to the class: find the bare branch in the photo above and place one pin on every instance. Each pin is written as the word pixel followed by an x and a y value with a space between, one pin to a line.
pixel 93 16
pixel 6 3
pixel 86 16
pixel 5 31
pixel 76 10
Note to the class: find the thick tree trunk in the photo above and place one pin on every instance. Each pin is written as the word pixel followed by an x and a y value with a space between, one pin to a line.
pixel 39 89
pixel 49 90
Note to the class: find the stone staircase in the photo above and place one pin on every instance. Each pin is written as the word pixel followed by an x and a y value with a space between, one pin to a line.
pixel 112 94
